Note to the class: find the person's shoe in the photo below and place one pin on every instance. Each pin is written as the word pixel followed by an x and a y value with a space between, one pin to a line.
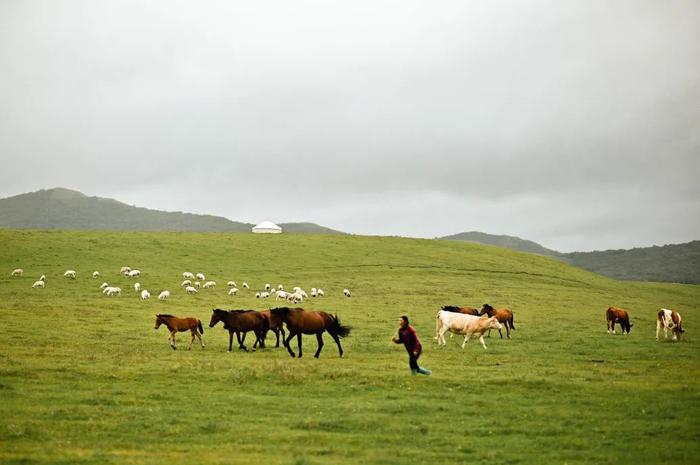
pixel 424 371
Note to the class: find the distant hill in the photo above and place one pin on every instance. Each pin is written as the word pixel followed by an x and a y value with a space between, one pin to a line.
pixel 678 263
pixel 61 208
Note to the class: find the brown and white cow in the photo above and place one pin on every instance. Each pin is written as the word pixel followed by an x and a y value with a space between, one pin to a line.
pixel 669 319
pixel 460 323
pixel 618 315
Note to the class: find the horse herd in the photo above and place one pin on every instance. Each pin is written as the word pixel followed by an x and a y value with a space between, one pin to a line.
pixel 297 321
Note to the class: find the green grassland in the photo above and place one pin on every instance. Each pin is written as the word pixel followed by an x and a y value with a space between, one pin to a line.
pixel 85 379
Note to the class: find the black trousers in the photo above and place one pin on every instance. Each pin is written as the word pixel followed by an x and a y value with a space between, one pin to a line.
pixel 413 362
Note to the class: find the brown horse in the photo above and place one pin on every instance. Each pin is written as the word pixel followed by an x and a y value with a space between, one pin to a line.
pixel 241 321
pixel 175 325
pixel 503 315
pixel 275 324
pixel 300 322
pixel 465 310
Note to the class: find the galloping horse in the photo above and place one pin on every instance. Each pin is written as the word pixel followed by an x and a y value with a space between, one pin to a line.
pixel 241 321
pixel 175 325
pixel 276 324
pixel 300 322
pixel 503 315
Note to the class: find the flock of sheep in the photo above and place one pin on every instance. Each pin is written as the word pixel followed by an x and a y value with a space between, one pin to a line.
pixel 297 295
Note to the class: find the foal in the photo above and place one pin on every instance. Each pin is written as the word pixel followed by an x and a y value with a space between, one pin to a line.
pixel 175 325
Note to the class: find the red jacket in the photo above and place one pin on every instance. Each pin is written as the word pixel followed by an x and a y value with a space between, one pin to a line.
pixel 410 340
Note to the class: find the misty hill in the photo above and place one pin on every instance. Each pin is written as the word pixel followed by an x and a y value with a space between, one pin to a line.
pixel 678 263
pixel 72 210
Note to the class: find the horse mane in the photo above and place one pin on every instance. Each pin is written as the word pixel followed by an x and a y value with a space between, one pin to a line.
pixel 164 315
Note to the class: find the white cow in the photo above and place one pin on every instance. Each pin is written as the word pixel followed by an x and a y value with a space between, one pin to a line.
pixel 38 284
pixel 164 295
pixel 70 274
pixel 17 272
pixel 190 290
pixel 460 323
pixel 669 319
pixel 137 287
pixel 145 295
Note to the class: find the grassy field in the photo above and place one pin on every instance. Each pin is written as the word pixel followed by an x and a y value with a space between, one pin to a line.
pixel 85 379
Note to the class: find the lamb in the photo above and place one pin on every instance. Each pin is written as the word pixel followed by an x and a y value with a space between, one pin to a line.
pixel 231 284
pixel 245 285
pixel 164 295
pixel 103 285
pixel 186 282
pixel 187 275
pixel 232 291
pixel 200 276
pixel 17 272
pixel 346 293
pixel 137 287
pixel 95 274
pixel 70 274
pixel 190 290
pixel 145 295
pixel 38 284
pixel 133 274
pixel 209 284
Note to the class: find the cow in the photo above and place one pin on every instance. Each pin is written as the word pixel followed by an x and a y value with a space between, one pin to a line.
pixel 669 319
pixel 460 323
pixel 504 316
pixel 618 315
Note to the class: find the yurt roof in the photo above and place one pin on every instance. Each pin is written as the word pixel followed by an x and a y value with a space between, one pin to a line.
pixel 267 225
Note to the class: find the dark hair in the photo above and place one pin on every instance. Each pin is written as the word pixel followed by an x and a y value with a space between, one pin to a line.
pixel 404 318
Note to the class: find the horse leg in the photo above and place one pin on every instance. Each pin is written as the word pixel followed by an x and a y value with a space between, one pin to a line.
pixel 500 333
pixel 172 340
pixel 319 338
pixel 299 342
pixel 241 340
pixel 230 341
pixel 194 331
pixel 337 341
pixel 286 344
pixel 201 341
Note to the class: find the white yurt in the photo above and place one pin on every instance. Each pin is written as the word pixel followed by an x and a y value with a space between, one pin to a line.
pixel 267 227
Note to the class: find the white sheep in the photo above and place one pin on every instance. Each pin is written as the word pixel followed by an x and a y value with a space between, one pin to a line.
pixel 302 293
pixel 42 278
pixel 245 285
pixel 267 287
pixel 346 293
pixel 280 287
pixel 197 284
pixel 186 282
pixel 190 290
pixel 232 291
pixel 281 295
pixel 187 275
pixel 95 274
pixel 114 291
pixel 137 287
pixel 145 295
pixel 38 284
pixel 264 295
pixel 125 269
pixel 17 272
pixel 319 292
pixel 200 276
pixel 257 295
pixel 295 297
pixel 209 284
pixel 70 274
pixel 313 292
pixel 231 284
pixel 103 285
pixel 133 274
pixel 164 295
pixel 296 289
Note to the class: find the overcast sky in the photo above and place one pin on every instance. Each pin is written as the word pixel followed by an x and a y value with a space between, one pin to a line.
pixel 575 124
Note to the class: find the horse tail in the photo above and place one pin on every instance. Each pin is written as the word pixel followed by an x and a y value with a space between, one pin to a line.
pixel 512 318
pixel 199 324
pixel 339 329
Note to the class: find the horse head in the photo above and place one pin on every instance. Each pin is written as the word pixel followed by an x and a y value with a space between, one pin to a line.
pixel 486 309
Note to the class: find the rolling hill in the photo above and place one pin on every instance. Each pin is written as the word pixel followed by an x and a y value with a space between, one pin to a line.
pixel 67 209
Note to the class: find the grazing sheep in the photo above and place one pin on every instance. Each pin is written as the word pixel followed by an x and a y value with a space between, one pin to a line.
pixel 302 293
pixel 313 292
pixel 17 272
pixel 267 287
pixel 200 276
pixel 164 295
pixel 103 285
pixel 281 295
pixel 70 274
pixel 346 293
pixel 125 269
pixel 186 282
pixel 42 278
pixel 209 284
pixel 231 284
pixel 95 274
pixel 264 295
pixel 296 289
pixel 232 291
pixel 197 284
pixel 257 295
pixel 187 275
pixel 38 284
pixel 145 295
pixel 295 297
pixel 137 287
pixel 319 292
pixel 280 287
pixel 133 274
pixel 190 290
pixel 245 285
pixel 114 291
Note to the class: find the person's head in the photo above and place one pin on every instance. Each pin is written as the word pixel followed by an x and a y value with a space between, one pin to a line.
pixel 403 321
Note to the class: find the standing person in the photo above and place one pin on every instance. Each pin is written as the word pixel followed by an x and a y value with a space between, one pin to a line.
pixel 408 337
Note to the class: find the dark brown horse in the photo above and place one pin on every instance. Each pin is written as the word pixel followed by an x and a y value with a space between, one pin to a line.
pixel 300 322
pixel 465 310
pixel 240 322
pixel 503 315
pixel 275 324
pixel 175 325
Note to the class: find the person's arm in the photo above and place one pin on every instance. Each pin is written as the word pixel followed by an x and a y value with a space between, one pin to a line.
pixel 397 339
